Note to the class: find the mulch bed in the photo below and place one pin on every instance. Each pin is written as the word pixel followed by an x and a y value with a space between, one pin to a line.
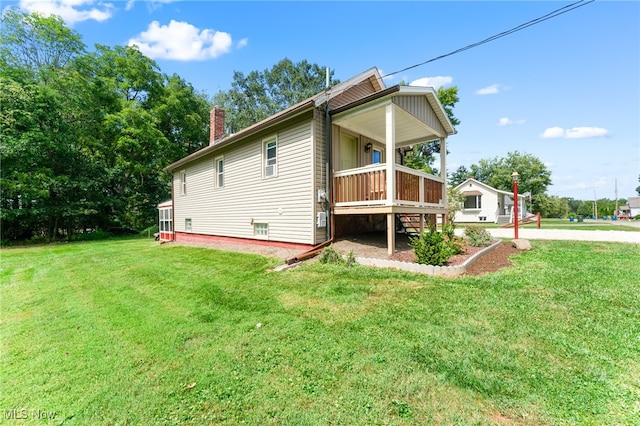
pixel 490 261
pixel 494 260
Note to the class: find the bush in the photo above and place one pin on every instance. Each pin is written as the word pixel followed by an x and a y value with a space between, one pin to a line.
pixel 330 255
pixel 477 236
pixel 98 234
pixel 435 248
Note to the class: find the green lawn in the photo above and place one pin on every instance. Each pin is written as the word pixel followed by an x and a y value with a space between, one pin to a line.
pixel 132 332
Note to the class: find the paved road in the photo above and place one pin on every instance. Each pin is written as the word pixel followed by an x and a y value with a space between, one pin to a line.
pixel 568 234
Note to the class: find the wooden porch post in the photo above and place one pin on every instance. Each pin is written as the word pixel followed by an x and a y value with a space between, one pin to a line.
pixel 390 144
pixel 391 233
pixel 443 168
pixel 443 175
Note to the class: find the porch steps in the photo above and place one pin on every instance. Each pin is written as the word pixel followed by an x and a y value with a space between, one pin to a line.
pixel 409 224
pixel 503 218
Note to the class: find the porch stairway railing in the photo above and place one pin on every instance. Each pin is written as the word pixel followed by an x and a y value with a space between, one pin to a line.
pixel 409 224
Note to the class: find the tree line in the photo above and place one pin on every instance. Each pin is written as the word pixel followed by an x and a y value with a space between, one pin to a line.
pixel 534 179
pixel 86 134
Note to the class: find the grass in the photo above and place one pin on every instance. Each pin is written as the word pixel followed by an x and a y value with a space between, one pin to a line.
pixel 133 332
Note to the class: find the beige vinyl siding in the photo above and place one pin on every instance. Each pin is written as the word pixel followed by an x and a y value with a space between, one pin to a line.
pixel 320 170
pixel 284 202
pixel 354 93
pixel 421 110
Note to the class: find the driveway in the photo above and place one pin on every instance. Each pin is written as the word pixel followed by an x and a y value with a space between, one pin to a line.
pixel 565 234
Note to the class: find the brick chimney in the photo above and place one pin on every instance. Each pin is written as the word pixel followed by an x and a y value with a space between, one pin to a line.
pixel 217 125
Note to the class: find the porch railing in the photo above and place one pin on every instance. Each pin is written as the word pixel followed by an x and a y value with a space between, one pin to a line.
pixel 368 186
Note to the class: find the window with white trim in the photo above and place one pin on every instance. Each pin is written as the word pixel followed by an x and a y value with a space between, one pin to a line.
pixel 270 158
pixel 187 225
pixel 376 156
pixel 219 172
pixel 261 229
pixel 166 224
pixel 183 182
pixel 473 202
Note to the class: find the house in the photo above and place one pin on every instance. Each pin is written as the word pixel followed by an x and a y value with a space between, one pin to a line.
pixel 323 168
pixel 483 203
pixel 634 206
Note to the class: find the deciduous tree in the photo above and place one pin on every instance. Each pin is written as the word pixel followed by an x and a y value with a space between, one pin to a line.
pixel 534 177
pixel 261 94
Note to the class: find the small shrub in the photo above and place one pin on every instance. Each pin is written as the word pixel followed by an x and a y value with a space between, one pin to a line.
pixel 330 255
pixel 477 236
pixel 435 248
pixel 350 260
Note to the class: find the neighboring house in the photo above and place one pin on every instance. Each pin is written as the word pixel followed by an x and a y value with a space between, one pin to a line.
pixel 483 203
pixel 326 167
pixel 634 206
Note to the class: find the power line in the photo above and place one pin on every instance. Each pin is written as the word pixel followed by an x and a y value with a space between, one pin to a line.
pixel 520 27
pixel 553 14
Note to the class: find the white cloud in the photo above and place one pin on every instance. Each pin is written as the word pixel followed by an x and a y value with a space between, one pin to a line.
pixel 181 41
pixel 586 132
pixel 435 82
pixel 553 132
pixel 489 90
pixel 574 133
pixel 242 43
pixel 506 121
pixel 71 11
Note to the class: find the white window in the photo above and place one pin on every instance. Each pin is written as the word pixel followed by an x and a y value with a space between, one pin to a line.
pixel 270 158
pixel 473 202
pixel 219 172
pixel 187 225
pixel 166 224
pixel 183 181
pixel 261 229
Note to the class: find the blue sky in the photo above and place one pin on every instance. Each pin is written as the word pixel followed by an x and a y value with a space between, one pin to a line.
pixel 566 90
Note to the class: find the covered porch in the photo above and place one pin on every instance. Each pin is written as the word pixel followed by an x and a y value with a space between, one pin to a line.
pixel 368 138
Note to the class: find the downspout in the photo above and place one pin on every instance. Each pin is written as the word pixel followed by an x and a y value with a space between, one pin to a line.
pixel 173 211
pixel 328 202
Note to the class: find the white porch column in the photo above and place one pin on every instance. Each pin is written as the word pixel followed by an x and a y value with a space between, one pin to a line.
pixel 390 145
pixel 443 168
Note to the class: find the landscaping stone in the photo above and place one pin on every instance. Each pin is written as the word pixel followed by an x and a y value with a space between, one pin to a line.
pixel 521 244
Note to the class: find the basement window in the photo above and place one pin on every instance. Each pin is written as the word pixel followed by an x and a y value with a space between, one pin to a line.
pixel 261 229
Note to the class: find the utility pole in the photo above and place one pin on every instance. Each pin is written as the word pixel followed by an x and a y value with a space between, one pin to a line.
pixel 616 211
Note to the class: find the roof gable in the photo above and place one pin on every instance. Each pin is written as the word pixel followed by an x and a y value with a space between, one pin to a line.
pixel 484 186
